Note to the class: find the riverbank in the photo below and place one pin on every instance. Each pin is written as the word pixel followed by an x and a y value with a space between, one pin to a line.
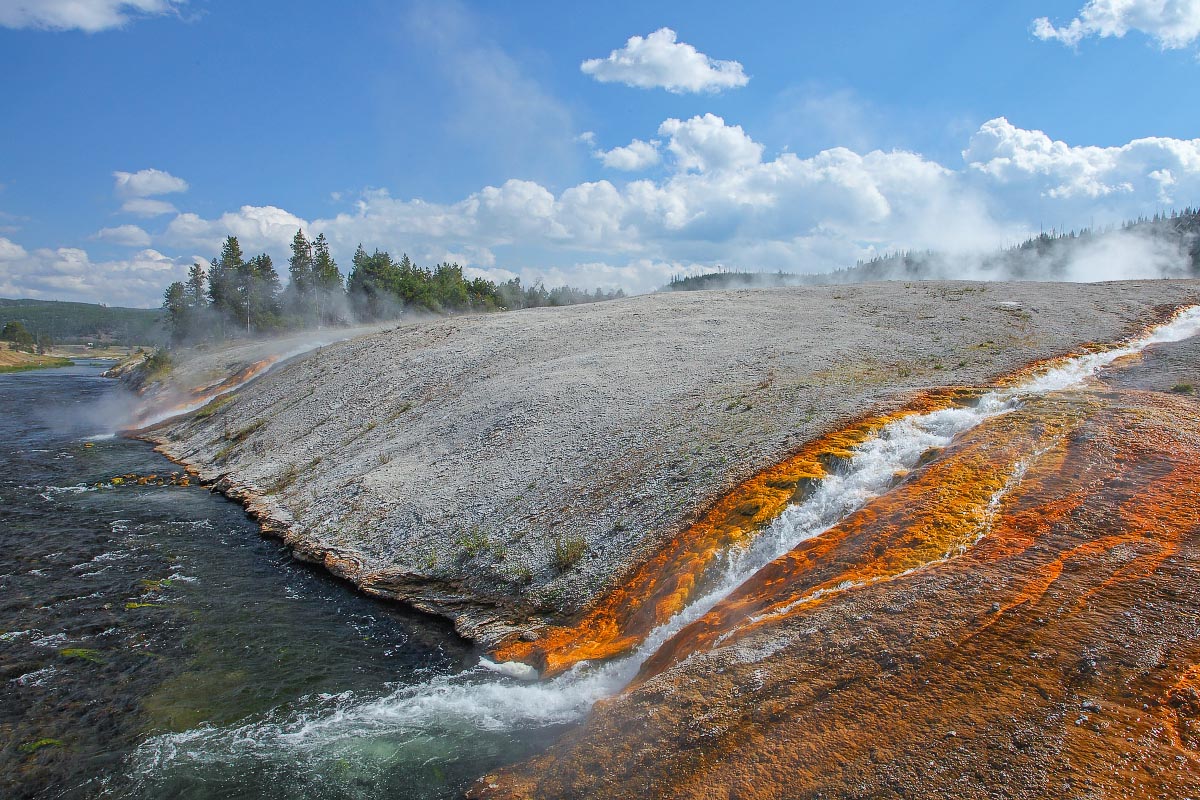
pixel 19 361
pixel 505 471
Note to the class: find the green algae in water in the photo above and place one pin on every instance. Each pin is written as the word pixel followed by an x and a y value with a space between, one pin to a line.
pixel 38 744
pixel 82 654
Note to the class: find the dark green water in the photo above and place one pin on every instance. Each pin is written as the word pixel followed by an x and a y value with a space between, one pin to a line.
pixel 153 644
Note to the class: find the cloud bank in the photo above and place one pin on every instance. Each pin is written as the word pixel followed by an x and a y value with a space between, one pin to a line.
pixel 68 273
pixel 721 199
pixel 659 61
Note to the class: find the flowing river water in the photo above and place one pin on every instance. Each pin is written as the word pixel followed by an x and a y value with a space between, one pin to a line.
pixel 167 650
pixel 153 644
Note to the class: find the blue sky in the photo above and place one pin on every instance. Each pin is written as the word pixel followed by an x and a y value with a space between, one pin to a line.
pixel 136 135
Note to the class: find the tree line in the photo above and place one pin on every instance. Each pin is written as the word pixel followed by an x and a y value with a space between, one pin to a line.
pixel 238 297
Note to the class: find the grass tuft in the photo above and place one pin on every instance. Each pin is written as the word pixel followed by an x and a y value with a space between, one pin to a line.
pixel 568 551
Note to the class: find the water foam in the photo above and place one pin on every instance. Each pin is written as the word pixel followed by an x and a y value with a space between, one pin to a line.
pixel 464 705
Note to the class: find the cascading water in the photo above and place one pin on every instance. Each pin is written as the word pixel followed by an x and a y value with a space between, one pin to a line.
pixel 460 712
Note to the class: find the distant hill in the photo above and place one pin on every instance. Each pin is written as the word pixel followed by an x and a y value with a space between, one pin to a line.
pixel 78 323
pixel 1165 245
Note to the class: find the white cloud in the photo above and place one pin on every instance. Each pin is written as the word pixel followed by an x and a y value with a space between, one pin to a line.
pixel 1174 24
pixel 145 207
pixel 1159 169
pixel 258 228
pixel 10 251
pixel 90 16
pixel 67 273
pixel 633 157
pixel 147 183
pixel 130 235
pixel 635 276
pixel 707 143
pixel 659 61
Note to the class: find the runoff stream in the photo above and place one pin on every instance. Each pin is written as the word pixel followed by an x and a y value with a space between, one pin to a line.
pixel 167 650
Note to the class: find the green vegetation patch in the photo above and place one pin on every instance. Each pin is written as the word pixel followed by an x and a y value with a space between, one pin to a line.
pixel 46 363
pixel 82 654
pixel 474 542
pixel 158 364
pixel 214 406
pixel 568 551
pixel 38 744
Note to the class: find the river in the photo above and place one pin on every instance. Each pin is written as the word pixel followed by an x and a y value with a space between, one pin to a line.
pixel 153 644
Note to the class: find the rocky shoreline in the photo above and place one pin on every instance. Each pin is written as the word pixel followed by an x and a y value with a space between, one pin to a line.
pixel 505 471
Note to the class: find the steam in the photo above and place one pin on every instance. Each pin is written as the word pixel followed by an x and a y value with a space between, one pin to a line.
pixel 1143 251
pixel 173 400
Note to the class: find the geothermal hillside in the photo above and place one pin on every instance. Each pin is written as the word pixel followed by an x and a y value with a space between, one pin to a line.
pixel 508 470
pixel 1013 617
pixel 775 524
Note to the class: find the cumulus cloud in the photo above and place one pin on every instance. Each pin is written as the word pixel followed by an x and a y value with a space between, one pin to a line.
pixel 129 235
pixel 1174 24
pixel 1161 170
pixel 633 157
pixel 258 228
pixel 707 143
pixel 67 273
pixel 660 61
pixel 147 183
pixel 90 16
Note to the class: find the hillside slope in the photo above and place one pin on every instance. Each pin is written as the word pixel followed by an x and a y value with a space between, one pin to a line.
pixel 505 470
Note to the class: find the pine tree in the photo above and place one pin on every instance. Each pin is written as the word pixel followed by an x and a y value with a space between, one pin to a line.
pixel 225 283
pixel 194 291
pixel 176 307
pixel 327 278
pixel 302 289
pixel 258 287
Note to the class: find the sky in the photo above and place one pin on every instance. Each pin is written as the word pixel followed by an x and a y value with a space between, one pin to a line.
pixel 600 144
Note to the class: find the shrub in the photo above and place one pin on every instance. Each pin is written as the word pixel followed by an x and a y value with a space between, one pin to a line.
pixel 158 364
pixel 568 551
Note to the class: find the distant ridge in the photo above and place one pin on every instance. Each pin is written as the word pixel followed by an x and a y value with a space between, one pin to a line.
pixel 66 322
